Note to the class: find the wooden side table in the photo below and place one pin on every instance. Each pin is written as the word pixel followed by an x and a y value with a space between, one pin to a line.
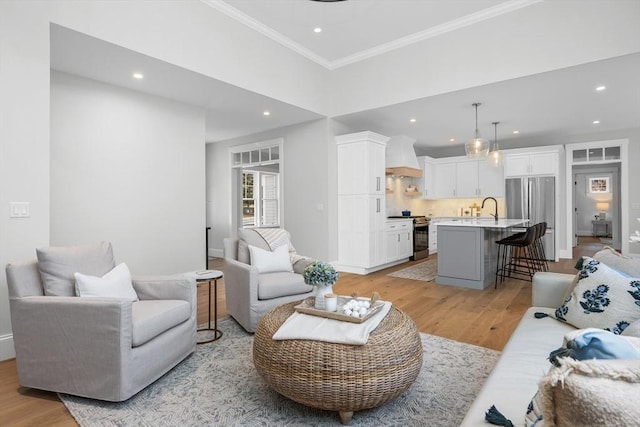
pixel 210 276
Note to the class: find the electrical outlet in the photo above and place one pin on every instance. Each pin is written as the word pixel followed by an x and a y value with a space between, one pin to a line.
pixel 19 210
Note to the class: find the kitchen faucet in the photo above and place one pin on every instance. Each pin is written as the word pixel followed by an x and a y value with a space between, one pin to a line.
pixel 496 202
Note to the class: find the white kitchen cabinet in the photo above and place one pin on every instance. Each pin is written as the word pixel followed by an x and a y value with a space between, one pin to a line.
pixel 361 231
pixel 527 164
pixel 490 180
pixel 433 238
pixel 427 180
pixel 362 169
pixel 444 177
pixel 361 201
pixel 398 238
pixel 468 179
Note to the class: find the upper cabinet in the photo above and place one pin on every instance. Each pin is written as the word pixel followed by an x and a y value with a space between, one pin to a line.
pixel 426 183
pixel 362 169
pixel 462 178
pixel 523 164
pixel 444 179
pixel 490 180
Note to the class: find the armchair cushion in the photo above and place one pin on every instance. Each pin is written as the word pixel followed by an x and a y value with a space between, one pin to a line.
pixel 58 264
pixel 281 284
pixel 115 284
pixel 268 262
pixel 151 318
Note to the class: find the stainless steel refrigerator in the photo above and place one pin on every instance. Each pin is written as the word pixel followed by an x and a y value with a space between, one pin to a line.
pixel 534 198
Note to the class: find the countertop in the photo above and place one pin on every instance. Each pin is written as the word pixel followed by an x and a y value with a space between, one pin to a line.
pixel 483 222
pixel 399 219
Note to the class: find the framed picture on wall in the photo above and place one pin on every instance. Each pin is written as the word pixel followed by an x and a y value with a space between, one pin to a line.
pixel 599 185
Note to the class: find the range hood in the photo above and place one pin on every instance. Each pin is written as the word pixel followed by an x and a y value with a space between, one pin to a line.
pixel 400 159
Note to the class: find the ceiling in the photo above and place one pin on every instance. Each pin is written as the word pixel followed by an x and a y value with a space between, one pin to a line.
pixel 545 107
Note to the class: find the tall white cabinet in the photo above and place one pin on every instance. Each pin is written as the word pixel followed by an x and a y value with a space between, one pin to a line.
pixel 361 201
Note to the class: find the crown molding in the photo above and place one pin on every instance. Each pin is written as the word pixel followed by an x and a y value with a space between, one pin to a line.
pixel 465 21
pixel 265 30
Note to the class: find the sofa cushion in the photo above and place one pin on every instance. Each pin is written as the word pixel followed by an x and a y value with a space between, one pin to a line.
pixel 591 393
pixel 280 284
pixel 633 330
pixel 115 284
pixel 268 262
pixel 603 298
pixel 617 261
pixel 514 379
pixel 153 317
pixel 58 264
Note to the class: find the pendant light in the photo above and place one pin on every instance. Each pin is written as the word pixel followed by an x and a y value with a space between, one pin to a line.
pixel 477 147
pixel 495 155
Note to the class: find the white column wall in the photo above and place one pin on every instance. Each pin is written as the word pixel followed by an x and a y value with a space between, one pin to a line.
pixel 24 142
pixel 128 168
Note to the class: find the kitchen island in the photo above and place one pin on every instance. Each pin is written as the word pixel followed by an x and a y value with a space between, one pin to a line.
pixel 467 250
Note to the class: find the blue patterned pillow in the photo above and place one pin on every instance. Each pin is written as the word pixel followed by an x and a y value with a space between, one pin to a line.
pixel 603 298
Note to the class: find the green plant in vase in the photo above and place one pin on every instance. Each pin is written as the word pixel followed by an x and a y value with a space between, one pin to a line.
pixel 323 276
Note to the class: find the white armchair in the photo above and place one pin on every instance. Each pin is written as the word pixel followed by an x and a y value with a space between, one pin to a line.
pixel 99 347
pixel 251 294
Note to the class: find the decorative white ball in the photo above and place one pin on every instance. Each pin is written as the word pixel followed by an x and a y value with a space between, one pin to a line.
pixel 355 314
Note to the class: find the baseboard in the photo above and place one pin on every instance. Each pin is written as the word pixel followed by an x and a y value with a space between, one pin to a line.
pixel 364 271
pixel 216 253
pixel 7 350
pixel 565 254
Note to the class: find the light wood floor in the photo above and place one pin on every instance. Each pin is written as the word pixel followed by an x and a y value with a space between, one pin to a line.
pixel 485 318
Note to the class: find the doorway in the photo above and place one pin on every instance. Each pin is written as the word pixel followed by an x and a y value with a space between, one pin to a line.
pixel 596 203
pixel 608 161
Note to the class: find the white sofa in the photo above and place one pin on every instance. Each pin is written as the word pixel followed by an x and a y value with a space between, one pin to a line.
pixel 523 362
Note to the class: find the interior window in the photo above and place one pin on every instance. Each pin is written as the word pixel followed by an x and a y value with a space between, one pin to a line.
pixel 258 195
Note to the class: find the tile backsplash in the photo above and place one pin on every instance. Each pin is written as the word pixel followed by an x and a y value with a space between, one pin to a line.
pixel 397 201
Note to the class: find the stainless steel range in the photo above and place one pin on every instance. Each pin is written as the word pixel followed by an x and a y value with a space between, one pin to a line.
pixel 420 236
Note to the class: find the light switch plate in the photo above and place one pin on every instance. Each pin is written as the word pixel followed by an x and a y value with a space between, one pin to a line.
pixel 19 210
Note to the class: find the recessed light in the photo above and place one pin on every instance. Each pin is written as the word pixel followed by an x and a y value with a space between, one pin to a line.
pixel 601 88
pixel 412 120
pixel 452 140
pixel 596 122
pixel 317 30
pixel 138 76
pixel 515 132
pixel 266 113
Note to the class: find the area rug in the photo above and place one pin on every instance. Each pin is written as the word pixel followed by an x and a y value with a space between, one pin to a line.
pixel 219 386
pixel 425 271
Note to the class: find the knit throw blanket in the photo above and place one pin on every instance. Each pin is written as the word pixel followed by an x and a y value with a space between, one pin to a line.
pixel 276 237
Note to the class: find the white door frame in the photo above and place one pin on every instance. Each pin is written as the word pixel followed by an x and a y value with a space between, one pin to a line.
pixel 624 187
pixel 235 214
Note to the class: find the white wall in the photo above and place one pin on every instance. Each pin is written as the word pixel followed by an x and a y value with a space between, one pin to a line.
pixel 305 186
pixel 128 168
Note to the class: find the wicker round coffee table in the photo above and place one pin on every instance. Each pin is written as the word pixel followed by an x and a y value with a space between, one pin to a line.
pixel 339 377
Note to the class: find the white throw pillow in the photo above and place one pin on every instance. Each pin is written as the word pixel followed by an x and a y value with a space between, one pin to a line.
pixel 603 298
pixel 269 262
pixel 115 284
